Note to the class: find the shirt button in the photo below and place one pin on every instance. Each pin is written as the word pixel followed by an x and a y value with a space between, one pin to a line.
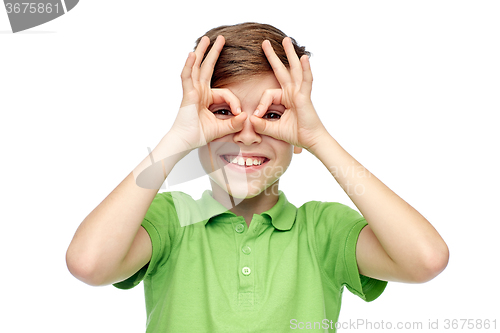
pixel 239 228
pixel 246 249
pixel 246 271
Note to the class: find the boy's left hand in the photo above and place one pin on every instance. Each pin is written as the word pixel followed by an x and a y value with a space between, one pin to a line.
pixel 299 125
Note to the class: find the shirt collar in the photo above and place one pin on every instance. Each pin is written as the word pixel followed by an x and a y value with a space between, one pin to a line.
pixel 282 214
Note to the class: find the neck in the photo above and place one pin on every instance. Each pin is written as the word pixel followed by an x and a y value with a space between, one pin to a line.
pixel 248 206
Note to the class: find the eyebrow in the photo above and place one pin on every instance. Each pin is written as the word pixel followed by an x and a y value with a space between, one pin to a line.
pixel 218 105
pixel 280 107
pixel 275 107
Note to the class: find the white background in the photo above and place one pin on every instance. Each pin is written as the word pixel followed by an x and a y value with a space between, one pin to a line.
pixel 409 88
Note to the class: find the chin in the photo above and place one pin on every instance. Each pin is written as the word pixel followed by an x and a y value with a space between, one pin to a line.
pixel 250 193
pixel 245 190
pixel 238 191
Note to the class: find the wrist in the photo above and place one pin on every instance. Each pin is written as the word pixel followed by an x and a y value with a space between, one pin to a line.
pixel 172 144
pixel 323 139
pixel 156 166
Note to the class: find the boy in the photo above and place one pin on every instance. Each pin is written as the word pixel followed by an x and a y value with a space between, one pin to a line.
pixel 242 258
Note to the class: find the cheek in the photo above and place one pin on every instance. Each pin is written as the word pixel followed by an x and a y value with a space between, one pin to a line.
pixel 285 152
pixel 205 159
pixel 213 163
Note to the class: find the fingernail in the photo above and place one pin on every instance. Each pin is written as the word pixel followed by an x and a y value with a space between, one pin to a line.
pixel 256 112
pixel 238 110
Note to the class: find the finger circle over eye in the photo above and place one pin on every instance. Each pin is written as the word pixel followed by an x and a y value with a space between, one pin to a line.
pixel 270 96
pixel 224 95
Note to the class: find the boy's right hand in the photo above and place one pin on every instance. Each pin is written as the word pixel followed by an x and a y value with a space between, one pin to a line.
pixel 195 124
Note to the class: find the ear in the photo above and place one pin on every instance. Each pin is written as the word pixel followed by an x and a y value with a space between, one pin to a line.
pixel 297 150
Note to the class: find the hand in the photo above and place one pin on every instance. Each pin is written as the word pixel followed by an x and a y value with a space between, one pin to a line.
pixel 195 124
pixel 299 125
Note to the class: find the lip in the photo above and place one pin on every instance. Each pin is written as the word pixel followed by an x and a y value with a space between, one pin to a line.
pixel 242 154
pixel 244 169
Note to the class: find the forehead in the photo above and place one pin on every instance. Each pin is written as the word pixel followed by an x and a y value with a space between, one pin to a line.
pixel 253 88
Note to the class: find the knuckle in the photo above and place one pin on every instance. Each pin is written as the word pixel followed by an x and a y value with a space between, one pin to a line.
pixel 185 75
pixel 269 92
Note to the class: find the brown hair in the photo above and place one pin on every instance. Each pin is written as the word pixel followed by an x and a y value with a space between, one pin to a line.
pixel 242 56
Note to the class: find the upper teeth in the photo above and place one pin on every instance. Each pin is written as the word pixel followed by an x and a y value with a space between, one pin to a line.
pixel 248 161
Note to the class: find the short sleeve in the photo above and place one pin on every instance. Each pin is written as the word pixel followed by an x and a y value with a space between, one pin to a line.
pixel 337 230
pixel 160 223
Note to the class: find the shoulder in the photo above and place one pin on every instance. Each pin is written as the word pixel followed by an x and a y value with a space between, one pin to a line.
pixel 181 208
pixel 166 203
pixel 165 213
pixel 332 212
pixel 329 221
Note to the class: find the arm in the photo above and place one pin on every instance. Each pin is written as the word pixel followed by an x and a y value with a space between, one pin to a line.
pixel 110 245
pixel 398 244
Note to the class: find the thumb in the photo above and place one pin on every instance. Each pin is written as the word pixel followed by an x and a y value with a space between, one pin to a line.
pixel 233 124
pixel 265 127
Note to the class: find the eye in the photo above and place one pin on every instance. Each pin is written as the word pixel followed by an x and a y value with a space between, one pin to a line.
pixel 222 113
pixel 271 115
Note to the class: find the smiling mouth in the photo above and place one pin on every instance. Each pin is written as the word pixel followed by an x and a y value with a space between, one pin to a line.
pixel 245 161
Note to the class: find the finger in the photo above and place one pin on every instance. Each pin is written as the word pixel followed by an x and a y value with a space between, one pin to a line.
pixel 235 124
pixel 307 80
pixel 231 125
pixel 187 82
pixel 225 95
pixel 270 96
pixel 280 71
pixel 264 127
pixel 207 68
pixel 293 60
pixel 200 51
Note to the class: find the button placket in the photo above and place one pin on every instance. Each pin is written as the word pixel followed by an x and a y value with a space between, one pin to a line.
pixel 248 271
pixel 247 267
pixel 246 259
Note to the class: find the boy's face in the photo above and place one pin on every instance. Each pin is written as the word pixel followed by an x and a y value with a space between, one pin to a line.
pixel 248 161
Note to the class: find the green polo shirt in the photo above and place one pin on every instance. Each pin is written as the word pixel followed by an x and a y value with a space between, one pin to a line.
pixel 209 272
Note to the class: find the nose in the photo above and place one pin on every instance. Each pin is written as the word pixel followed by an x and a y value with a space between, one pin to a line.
pixel 247 135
